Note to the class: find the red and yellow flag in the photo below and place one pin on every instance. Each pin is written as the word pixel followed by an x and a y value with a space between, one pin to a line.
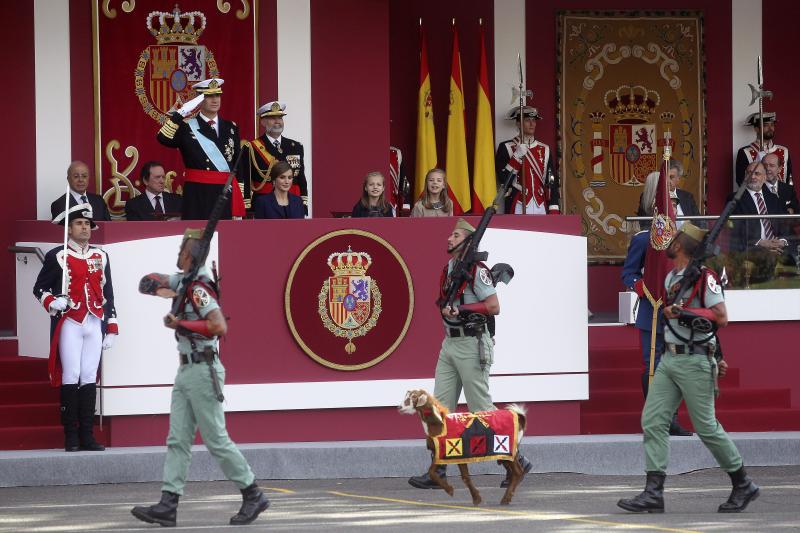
pixel 456 162
pixel 484 185
pixel 426 134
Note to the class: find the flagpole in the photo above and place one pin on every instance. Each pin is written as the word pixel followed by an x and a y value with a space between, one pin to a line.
pixel 66 237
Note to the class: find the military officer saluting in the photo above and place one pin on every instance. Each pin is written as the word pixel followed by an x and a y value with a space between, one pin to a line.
pixel 535 172
pixel 209 146
pixel 197 393
pixel 467 350
pixel 271 147
pixel 688 371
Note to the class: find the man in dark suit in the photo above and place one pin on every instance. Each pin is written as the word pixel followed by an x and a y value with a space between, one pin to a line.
pixel 155 203
pixel 209 146
pixel 764 234
pixel 683 200
pixel 271 147
pixel 78 178
pixel 785 192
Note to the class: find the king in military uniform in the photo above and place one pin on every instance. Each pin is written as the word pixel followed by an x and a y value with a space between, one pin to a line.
pixel 209 146
pixel 535 187
pixel 272 147
pixel 197 392
pixel 467 350
pixel 83 322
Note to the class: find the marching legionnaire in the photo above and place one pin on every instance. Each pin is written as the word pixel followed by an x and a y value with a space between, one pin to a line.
pixel 467 351
pixel 197 393
pixel 689 370
pixel 209 146
pixel 272 146
pixel 537 189
pixel 754 152
pixel 74 286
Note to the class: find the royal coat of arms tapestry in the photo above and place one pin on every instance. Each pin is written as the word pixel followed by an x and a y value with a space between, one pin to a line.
pixel 629 85
pixel 148 54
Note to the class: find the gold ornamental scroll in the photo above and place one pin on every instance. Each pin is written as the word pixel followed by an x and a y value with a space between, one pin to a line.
pixel 629 84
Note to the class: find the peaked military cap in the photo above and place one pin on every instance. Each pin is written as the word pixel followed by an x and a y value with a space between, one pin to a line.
pixel 752 119
pixel 209 87
pixel 527 112
pixel 272 109
pixel 74 213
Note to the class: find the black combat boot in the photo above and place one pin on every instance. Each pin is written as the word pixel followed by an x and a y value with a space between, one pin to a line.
pixel 164 512
pixel 425 482
pixel 651 500
pixel 526 467
pixel 87 397
pixel 744 491
pixel 253 502
pixel 676 430
pixel 69 417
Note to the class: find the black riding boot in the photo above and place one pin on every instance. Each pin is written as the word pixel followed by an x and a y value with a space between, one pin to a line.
pixel 253 502
pixel 744 491
pixel 526 467
pixel 651 500
pixel 164 512
pixel 425 482
pixel 87 397
pixel 69 417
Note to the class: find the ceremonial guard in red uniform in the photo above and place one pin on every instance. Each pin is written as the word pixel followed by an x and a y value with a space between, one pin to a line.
pixel 748 154
pixel 541 194
pixel 83 323
pixel 210 147
pixel 271 147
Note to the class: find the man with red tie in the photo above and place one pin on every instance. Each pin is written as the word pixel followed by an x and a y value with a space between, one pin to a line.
pixel 535 191
pixel 209 146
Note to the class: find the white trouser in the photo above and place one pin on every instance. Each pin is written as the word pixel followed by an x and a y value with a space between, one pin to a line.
pixel 80 346
pixel 531 209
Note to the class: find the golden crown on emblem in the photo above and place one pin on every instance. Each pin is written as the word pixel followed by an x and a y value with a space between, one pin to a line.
pixel 349 262
pixel 632 103
pixel 176 32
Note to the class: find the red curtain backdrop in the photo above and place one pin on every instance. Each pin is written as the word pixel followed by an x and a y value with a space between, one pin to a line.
pixel 437 19
pixel 228 38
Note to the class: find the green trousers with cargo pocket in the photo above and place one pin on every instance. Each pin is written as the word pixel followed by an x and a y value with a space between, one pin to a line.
pixel 459 368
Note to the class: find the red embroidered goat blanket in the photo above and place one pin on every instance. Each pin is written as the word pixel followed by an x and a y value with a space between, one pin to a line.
pixel 473 437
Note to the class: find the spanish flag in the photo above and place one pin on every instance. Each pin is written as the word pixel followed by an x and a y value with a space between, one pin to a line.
pixel 426 134
pixel 483 172
pixel 456 163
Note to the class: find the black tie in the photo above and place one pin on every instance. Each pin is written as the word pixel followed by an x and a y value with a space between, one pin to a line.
pixel 84 199
pixel 159 207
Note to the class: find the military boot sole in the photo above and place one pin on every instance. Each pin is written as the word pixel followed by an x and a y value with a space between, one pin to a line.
pixel 753 497
pixel 261 508
pixel 636 508
pixel 142 514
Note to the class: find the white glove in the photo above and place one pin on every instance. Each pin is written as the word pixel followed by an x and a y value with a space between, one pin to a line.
pixel 59 304
pixel 187 108
pixel 520 152
pixel 108 341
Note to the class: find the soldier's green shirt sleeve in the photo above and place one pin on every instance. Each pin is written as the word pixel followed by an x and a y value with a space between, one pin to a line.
pixel 203 299
pixel 482 287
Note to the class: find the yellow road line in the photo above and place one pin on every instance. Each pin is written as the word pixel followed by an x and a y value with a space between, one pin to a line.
pixel 537 516
pixel 285 491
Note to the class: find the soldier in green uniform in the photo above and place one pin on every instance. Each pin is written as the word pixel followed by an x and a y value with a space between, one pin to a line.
pixel 467 351
pixel 197 393
pixel 689 370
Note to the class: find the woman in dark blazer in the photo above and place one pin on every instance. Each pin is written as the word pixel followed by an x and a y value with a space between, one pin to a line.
pixel 280 203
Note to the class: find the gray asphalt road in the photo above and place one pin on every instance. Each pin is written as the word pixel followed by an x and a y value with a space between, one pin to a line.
pixel 544 502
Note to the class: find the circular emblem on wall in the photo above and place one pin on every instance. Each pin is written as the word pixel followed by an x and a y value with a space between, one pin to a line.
pixel 349 299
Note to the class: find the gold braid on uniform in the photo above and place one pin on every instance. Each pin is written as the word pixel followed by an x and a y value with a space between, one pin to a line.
pixel 169 129
pixel 264 175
